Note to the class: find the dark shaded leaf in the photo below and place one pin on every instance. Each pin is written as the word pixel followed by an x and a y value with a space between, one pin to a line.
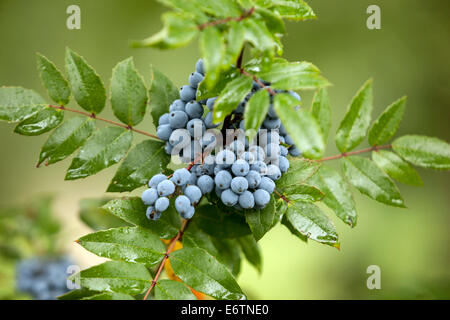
pixel 261 221
pixel 251 251
pixel 229 254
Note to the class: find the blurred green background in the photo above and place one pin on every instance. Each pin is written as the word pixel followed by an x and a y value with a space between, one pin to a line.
pixel 409 55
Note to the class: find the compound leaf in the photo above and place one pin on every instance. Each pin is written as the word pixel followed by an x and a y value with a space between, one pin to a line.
pixel 300 170
pixel 52 79
pixel 303 192
pixel 110 296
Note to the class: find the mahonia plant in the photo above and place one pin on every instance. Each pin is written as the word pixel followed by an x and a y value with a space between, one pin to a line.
pixel 201 252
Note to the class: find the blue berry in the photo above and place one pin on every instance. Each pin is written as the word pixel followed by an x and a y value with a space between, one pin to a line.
pixel 166 188
pixel 240 168
pixel 267 184
pixel 168 148
pixel 199 67
pixel 273 172
pixel 178 119
pixel 196 128
pixel 283 164
pixel 156 179
pixel 239 185
pixel 262 198
pixel 223 179
pixel 272 123
pixel 193 193
pixel 180 138
pixel 247 156
pixel 229 198
pixel 210 103
pixel 206 184
pixel 272 150
pixel 181 176
pixel 295 95
pixel 225 158
pixel 218 191
pixel 295 152
pixel 182 204
pixel 192 179
pixel 246 200
pixel 164 119
pixel 289 140
pixel 209 121
pixel 162 204
pixel 284 151
pixel 194 109
pixel 152 214
pixel 271 113
pixel 164 131
pixel 253 179
pixel 195 78
pixel 259 167
pixel 177 105
pixel 149 196
pixel 189 213
pixel 187 93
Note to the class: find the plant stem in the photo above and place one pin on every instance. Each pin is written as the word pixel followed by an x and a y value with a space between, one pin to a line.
pixel 258 81
pixel 93 116
pixel 166 256
pixel 348 154
pixel 245 15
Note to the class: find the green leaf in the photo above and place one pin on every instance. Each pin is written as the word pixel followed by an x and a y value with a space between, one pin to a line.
pixel 172 290
pixel 255 112
pixel 261 221
pixel 311 222
pixel 272 20
pixel 162 93
pixel 337 194
pixel 387 124
pixel 132 244
pixel 213 52
pixel 203 92
pixel 128 93
pixel 106 147
pixel 179 29
pixel 290 9
pixel 300 124
pixel 235 42
pixel 423 151
pixel 110 296
pixel 220 224
pixel 370 180
pixel 40 122
pixel 322 112
pixel 224 8
pixel 234 92
pixel 87 87
pixel 228 254
pixel 251 251
pixel 353 127
pixel 66 139
pixel 303 192
pixel 18 103
pixel 142 162
pixel 300 170
pixel 78 294
pixel 115 276
pixel 396 167
pixel 97 218
pixel 294 76
pixel 285 222
pixel 132 210
pixel 194 237
pixel 52 79
pixel 201 271
pixel 257 33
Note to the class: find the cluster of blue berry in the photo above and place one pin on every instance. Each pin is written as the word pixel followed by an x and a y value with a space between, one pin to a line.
pixel 43 278
pixel 242 173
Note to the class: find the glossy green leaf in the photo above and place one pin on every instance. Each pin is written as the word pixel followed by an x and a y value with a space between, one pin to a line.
pixel 228 254
pixel 234 42
pixel 142 162
pixel 387 124
pixel 322 112
pixel 297 10
pixel 370 180
pixel 172 290
pixel 110 296
pixel 87 87
pixel 251 250
pixel 115 276
pixel 203 92
pixel 255 112
pixel 311 222
pixel 78 294
pixel 303 192
pixel 106 147
pixel 353 128
pixel 132 210
pixel 224 8
pixel 52 79
pixel 194 237
pixel 234 92
pixel 285 222
pixel 337 194
pixel 396 167
pixel 18 103
pixel 66 139
pixel 257 33
pixel 213 52
pixel 162 93
pixel 301 125
pixel 300 170
pixel 40 122
pixel 261 221
pixel 220 224
pixel 132 244
pixel 294 76
pixel 179 29
pixel 190 7
pixel 272 20
pixel 204 273
pixel 128 93
pixel 423 151
pixel 97 218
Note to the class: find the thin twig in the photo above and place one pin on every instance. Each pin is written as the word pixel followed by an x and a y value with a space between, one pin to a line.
pixel 93 116
pixel 245 15
pixel 258 81
pixel 348 154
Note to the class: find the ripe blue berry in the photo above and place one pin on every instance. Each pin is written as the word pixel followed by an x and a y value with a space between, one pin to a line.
pixel 199 67
pixel 253 179
pixel 156 179
pixel 193 193
pixel 192 179
pixel 194 109
pixel 284 151
pixel 162 204
pixel 295 152
pixel 164 131
pixel 168 148
pixel 206 184
pixel 225 158
pixel 240 168
pixel 259 167
pixel 273 172
pixel 267 184
pixel 180 138
pixel 246 200
pixel 181 176
pixel 195 78
pixel 289 140
pixel 223 179
pixel 187 93
pixel 189 213
pixel 164 119
pixel 152 214
pixel 178 119
pixel 229 198
pixel 272 150
pixel 209 121
pixel 239 185
pixel 283 164
pixel 149 196
pixel 262 198
pixel 182 204
pixel 177 105
pixel 166 188
pixel 210 103
pixel 196 128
